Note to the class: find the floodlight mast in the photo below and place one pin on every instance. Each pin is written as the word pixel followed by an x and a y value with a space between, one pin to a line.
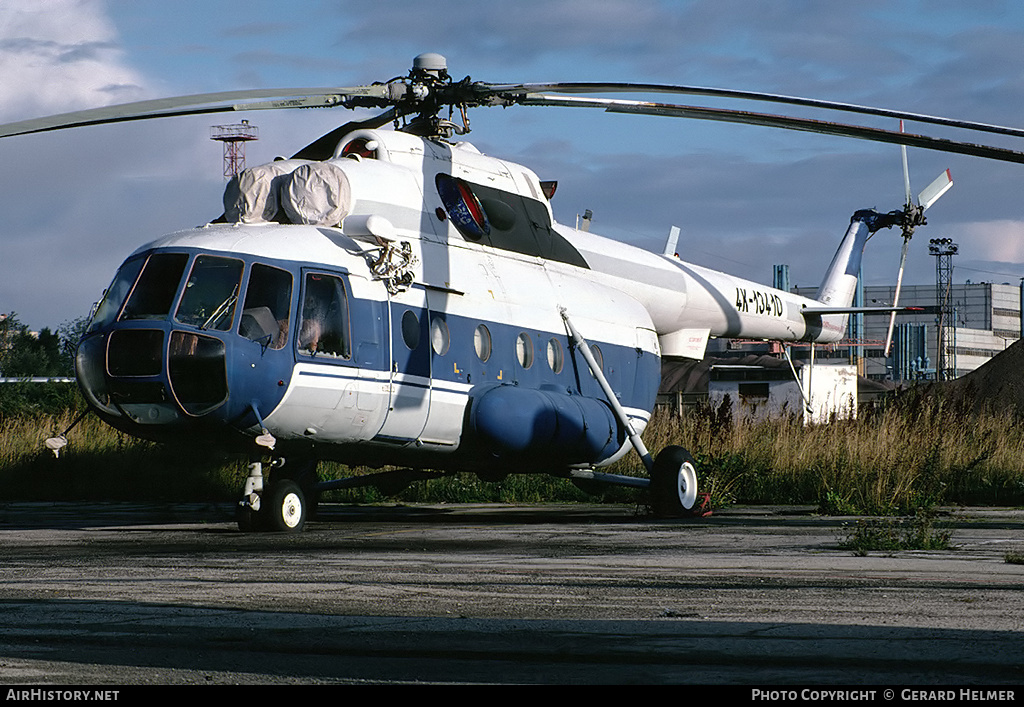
pixel 234 138
pixel 944 249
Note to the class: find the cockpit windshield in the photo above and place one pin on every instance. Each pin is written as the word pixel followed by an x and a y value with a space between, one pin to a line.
pixel 211 293
pixel 153 294
pixel 147 288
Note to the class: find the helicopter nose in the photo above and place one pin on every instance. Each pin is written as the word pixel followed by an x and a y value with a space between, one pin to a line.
pixel 197 372
pixel 152 375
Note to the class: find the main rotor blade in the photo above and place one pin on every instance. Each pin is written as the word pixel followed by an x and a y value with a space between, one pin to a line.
pixel 514 92
pixel 198 104
pixel 778 121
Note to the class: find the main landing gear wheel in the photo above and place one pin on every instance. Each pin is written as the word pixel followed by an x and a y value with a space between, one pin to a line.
pixel 283 507
pixel 673 483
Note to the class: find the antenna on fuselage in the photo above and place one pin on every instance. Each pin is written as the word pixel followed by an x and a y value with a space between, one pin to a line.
pixel 673 240
pixel 584 223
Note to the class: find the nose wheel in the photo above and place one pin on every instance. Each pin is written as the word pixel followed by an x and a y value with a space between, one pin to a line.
pixel 284 507
pixel 279 506
pixel 673 483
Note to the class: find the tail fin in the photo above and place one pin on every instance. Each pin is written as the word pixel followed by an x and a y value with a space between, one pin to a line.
pixel 840 281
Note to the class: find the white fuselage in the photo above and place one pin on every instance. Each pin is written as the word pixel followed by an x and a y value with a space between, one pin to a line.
pixel 450 281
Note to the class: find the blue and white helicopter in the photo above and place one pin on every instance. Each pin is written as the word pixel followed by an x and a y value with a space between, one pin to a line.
pixel 391 297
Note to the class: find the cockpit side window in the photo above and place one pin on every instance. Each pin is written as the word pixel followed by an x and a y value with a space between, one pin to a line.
pixel 115 295
pixel 267 306
pixel 324 325
pixel 211 293
pixel 154 292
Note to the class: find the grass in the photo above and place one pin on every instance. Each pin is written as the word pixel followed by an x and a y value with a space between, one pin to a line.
pixel 917 532
pixel 918 453
pixel 915 454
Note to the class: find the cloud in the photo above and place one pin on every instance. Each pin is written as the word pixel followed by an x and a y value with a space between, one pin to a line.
pixel 745 197
pixel 58 56
pixel 994 241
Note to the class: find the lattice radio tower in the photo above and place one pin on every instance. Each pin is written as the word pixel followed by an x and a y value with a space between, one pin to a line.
pixel 234 138
pixel 944 249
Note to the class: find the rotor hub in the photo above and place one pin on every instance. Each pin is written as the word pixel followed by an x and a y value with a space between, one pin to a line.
pixel 430 63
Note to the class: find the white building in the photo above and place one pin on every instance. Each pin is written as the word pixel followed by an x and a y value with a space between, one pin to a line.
pixel 986 318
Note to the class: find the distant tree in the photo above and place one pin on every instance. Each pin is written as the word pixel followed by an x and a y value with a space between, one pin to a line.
pixel 24 354
pixel 70 333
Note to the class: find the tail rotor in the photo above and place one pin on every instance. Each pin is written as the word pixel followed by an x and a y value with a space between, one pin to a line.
pixel 912 217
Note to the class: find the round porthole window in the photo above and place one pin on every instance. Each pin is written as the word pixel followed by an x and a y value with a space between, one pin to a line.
pixel 524 350
pixel 410 329
pixel 440 338
pixel 556 358
pixel 482 342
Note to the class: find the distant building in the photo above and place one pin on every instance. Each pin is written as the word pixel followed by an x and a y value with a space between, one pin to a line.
pixel 985 318
pixel 822 393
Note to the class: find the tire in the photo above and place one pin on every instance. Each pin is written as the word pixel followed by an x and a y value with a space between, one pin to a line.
pixel 673 483
pixel 283 507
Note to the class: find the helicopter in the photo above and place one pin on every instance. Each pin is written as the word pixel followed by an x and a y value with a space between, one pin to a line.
pixel 395 297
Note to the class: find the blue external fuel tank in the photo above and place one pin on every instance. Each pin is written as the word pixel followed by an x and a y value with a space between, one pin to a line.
pixel 513 420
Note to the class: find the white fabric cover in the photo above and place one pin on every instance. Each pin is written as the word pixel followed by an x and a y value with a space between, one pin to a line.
pixel 317 193
pixel 252 195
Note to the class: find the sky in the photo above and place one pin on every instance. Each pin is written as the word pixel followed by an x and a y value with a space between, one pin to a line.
pixel 76 203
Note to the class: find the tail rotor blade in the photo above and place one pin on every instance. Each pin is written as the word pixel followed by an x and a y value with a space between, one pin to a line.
pixel 906 169
pixel 933 191
pixel 896 297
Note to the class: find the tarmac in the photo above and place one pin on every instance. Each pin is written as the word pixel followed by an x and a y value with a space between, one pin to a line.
pixel 119 594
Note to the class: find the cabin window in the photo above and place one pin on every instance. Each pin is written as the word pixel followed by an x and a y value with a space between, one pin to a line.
pixel 154 292
pixel 598 356
pixel 196 370
pixel 482 342
pixel 267 306
pixel 324 327
pixel 524 350
pixel 440 337
pixel 556 358
pixel 211 293
pixel 410 329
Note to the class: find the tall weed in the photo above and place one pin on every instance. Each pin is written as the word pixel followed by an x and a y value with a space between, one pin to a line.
pixel 909 455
